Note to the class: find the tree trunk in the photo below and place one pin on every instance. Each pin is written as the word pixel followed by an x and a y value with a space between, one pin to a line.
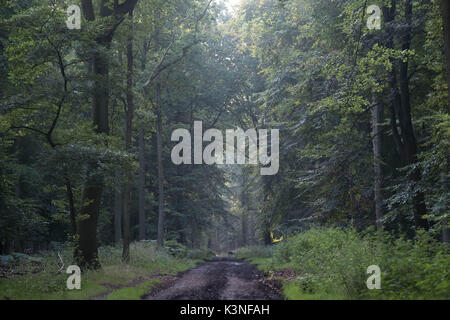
pixel 160 168
pixel 445 231
pixel 73 221
pixel 142 220
pixel 405 140
pixel 142 226
pixel 86 250
pixel 408 136
pixel 126 222
pixel 445 12
pixel 267 238
pixel 244 203
pixel 128 145
pixel 117 212
pixel 377 119
pixel 244 229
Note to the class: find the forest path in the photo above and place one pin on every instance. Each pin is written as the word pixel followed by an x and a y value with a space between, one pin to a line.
pixel 219 279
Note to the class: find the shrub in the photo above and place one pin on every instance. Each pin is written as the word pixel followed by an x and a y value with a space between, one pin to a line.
pixel 176 249
pixel 202 254
pixel 414 269
pixel 253 251
pixel 334 261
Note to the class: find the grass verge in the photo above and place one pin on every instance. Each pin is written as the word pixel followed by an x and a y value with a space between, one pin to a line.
pixel 48 280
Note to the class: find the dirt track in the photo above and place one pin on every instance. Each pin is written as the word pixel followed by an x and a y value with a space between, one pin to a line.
pixel 220 279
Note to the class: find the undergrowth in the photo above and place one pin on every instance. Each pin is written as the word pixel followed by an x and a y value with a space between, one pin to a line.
pixel 332 263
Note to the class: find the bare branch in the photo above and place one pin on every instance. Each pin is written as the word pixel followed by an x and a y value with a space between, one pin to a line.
pixel 157 70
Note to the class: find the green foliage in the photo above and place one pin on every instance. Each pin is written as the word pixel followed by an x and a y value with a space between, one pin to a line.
pixel 178 250
pixel 252 251
pixel 321 80
pixel 201 254
pixel 294 291
pixel 332 262
pixel 175 248
pixel 414 269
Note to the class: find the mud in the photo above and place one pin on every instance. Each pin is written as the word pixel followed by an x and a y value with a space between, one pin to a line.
pixel 220 279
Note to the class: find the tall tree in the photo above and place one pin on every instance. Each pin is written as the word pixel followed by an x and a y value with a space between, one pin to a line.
pixel 377 120
pixel 159 151
pixel 87 252
pixel 406 125
pixel 445 13
pixel 141 186
pixel 118 200
pixel 128 141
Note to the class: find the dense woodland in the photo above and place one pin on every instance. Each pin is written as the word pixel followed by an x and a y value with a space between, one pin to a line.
pixel 86 118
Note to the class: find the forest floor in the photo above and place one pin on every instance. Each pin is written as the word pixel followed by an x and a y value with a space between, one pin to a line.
pixel 223 278
pixel 41 277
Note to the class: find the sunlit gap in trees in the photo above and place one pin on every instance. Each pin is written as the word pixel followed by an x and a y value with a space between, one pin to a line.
pixel 231 5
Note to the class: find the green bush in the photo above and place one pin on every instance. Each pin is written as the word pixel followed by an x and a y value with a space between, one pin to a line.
pixel 329 260
pixel 253 251
pixel 334 261
pixel 418 269
pixel 176 249
pixel 201 254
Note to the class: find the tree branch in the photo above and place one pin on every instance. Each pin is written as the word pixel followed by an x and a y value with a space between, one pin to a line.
pixel 159 68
